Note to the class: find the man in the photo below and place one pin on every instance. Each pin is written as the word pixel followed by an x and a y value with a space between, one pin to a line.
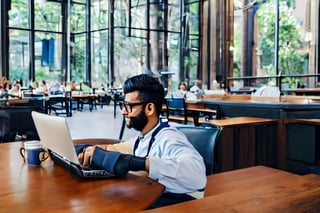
pixel 197 87
pixel 163 152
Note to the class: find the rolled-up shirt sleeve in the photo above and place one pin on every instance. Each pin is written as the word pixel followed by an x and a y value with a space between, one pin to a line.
pixel 123 147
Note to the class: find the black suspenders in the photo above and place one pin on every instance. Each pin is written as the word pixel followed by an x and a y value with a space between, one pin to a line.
pixel 154 133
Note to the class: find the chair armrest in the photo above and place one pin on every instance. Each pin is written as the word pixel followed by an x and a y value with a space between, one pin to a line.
pixel 95 141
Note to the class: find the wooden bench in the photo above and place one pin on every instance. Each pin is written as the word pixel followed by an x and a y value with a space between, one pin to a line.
pixel 245 142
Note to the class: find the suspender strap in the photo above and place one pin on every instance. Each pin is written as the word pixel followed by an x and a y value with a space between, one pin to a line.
pixel 154 133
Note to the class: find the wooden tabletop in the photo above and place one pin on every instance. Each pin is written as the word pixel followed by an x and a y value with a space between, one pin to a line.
pixel 304 91
pixel 49 188
pixel 242 121
pixel 255 189
pixel 314 121
pixel 84 95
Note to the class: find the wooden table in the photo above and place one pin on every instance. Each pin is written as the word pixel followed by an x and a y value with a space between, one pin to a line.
pixel 85 98
pixel 49 188
pixel 255 189
pixel 196 109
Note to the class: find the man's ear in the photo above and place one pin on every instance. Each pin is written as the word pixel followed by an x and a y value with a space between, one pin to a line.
pixel 150 109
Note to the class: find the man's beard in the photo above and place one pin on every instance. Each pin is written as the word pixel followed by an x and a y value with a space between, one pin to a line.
pixel 138 122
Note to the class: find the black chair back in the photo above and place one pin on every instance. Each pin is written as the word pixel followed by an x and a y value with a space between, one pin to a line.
pixel 61 105
pixel 204 140
pixel 177 106
pixel 5 127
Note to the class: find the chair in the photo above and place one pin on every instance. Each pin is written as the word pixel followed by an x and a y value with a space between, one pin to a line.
pixel 5 134
pixel 60 105
pixel 21 123
pixel 204 140
pixel 117 97
pixel 104 99
pixel 177 109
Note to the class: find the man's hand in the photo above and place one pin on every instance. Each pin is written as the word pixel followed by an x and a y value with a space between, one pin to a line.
pixel 86 154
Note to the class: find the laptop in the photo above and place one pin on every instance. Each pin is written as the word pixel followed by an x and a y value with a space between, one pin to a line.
pixel 55 136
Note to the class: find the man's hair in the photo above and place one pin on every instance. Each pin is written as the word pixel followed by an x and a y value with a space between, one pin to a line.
pixel 149 88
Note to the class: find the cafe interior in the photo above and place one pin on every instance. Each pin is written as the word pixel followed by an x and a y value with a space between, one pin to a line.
pixel 250 103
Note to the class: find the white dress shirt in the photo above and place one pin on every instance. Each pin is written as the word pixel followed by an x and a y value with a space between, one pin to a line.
pixel 174 162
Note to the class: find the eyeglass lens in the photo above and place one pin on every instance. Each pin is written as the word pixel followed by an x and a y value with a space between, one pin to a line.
pixel 128 106
pixel 125 106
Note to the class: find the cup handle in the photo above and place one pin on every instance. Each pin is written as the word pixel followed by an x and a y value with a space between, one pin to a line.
pixel 43 155
pixel 23 153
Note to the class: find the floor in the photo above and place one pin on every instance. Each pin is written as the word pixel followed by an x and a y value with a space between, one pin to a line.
pixel 99 123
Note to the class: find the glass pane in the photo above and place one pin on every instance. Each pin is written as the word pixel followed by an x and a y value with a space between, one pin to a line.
pixel 139 19
pixel 193 18
pixel 174 21
pixel 129 45
pixel 246 29
pixel 19 15
pixel 48 48
pixel 174 24
pixel 19 56
pixel 129 57
pixel 78 57
pixel 266 42
pixel 294 43
pixel 77 18
pixel 99 14
pixel 99 57
pixel 121 15
pixel 48 16
pixel 192 45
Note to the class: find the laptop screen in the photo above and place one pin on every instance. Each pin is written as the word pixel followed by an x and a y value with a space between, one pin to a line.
pixel 55 135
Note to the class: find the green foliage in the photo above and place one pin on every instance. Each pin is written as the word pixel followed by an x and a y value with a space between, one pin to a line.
pixel 291 61
pixel 43 73
pixel 19 73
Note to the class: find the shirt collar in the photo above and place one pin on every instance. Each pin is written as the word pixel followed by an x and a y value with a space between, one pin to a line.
pixel 141 136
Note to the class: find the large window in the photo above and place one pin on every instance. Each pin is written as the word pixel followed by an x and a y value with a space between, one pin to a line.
pixel 275 44
pixel 265 42
pixel 35 43
pixel 100 43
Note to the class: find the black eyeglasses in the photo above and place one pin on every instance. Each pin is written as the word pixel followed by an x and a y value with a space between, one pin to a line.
pixel 128 106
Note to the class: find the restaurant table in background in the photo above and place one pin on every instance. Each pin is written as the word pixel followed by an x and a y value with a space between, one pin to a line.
pixel 50 188
pixel 196 109
pixel 303 91
pixel 85 98
pixel 255 189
